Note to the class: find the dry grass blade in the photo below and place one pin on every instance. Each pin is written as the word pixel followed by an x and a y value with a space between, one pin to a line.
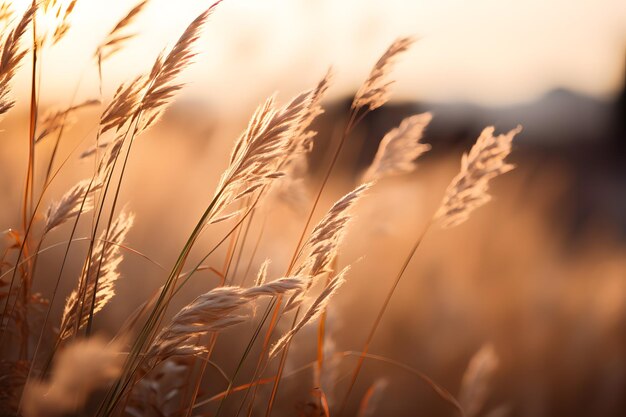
pixel 314 311
pixel 469 189
pixel 375 90
pixel 115 39
pixel 399 148
pixel 212 312
pixel 79 199
pixel 476 380
pixel 11 58
pixel 105 258
pixel 56 120
pixel 79 369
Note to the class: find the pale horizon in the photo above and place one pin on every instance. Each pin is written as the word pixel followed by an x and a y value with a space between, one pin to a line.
pixel 248 49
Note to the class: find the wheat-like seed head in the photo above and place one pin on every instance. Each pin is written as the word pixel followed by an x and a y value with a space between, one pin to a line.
pixel 104 261
pixel 469 189
pixel 375 90
pixel 11 57
pixel 399 148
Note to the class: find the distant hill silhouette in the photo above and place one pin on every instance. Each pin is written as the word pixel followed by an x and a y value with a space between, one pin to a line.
pixel 584 134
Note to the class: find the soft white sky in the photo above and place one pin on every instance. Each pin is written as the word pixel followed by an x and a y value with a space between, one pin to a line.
pixel 484 51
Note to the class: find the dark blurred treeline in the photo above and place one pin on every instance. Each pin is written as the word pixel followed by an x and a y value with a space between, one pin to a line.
pixel 582 135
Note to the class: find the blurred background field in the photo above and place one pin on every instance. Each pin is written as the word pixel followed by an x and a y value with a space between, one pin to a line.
pixel 539 273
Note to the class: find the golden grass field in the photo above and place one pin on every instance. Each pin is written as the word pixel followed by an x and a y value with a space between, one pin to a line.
pixel 158 264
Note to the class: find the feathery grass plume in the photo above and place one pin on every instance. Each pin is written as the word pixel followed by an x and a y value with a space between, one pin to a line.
pixel 328 234
pixel 323 243
pixel 375 90
pixel 115 40
pixel 260 151
pixel 399 148
pixel 476 380
pixel 79 198
pixel 314 311
pixel 161 86
pixel 125 103
pixel 468 190
pixel 291 189
pixel 275 287
pixel 79 369
pixel 106 258
pixel 55 120
pixel 11 57
pixel 303 142
pixel 211 312
pixel 372 397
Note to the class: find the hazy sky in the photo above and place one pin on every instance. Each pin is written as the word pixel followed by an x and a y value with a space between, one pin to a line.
pixel 485 51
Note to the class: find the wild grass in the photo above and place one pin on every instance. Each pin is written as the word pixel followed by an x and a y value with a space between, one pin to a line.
pixel 62 365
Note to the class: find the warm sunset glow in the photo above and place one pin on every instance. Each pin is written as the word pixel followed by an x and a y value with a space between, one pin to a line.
pixel 312 208
pixel 488 51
